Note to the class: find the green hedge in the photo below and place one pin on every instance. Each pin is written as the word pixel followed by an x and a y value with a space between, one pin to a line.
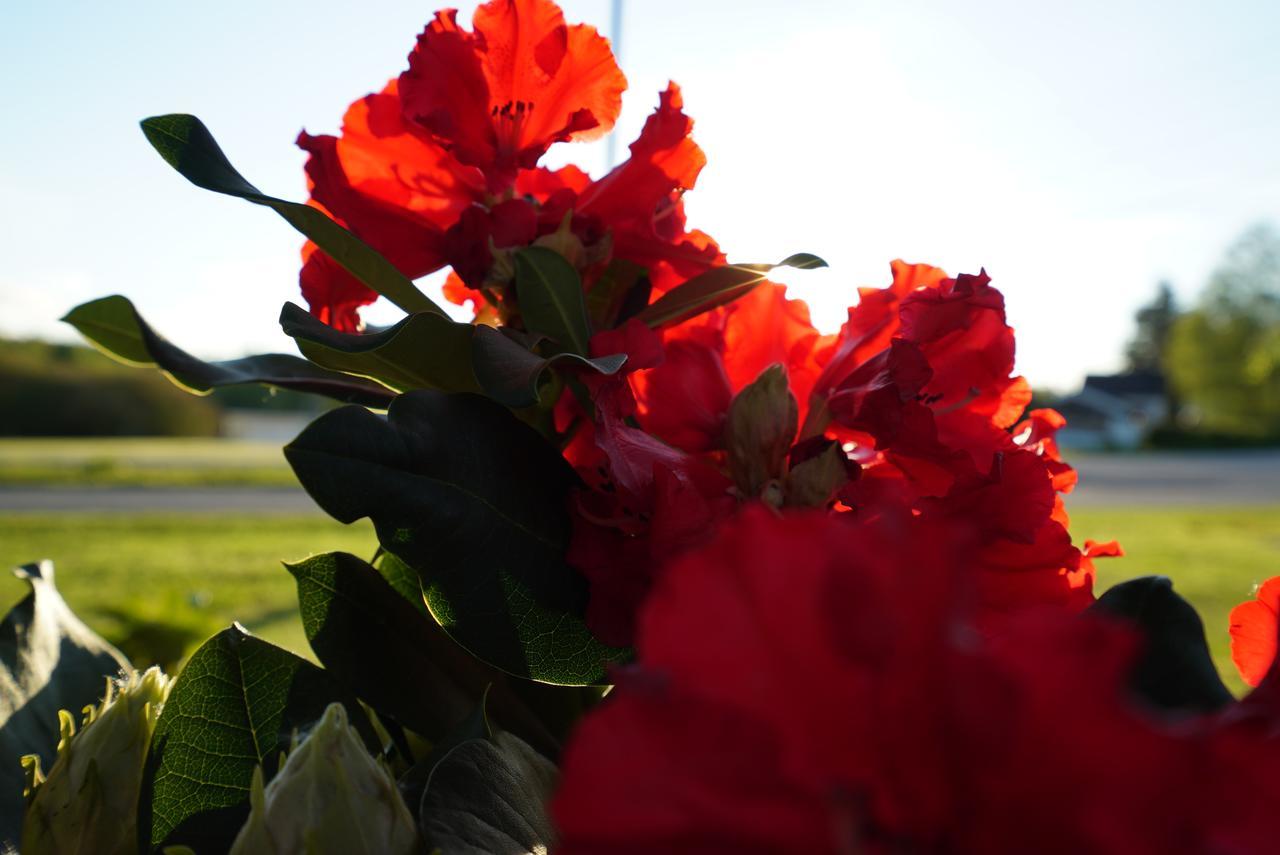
pixel 63 390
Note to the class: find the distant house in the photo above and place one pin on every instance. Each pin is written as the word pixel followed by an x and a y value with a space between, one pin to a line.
pixel 1115 411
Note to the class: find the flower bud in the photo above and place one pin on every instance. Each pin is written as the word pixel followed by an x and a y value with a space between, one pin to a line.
pixel 330 796
pixel 89 800
pixel 762 423
pixel 565 242
pixel 813 482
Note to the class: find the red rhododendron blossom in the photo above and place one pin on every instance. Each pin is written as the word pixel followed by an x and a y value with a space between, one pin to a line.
pixel 394 186
pixel 1253 632
pixel 920 385
pixel 499 97
pixel 835 647
pixel 873 323
pixel 845 703
pixel 931 414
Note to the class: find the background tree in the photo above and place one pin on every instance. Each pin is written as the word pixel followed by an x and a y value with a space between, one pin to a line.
pixel 1224 356
pixel 1154 321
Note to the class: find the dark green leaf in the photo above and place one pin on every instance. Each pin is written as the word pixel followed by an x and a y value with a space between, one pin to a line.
pixel 550 294
pixel 716 287
pixel 186 144
pixel 622 284
pixel 403 579
pixel 399 659
pixel 487 796
pixel 235 706
pixel 1175 671
pixel 49 661
pixel 476 502
pixel 413 783
pixel 114 325
pixel 423 351
pixel 510 373
pixel 798 260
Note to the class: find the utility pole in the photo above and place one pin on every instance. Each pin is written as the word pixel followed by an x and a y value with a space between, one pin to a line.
pixel 615 36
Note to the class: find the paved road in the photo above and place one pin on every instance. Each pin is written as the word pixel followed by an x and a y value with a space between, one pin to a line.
pixel 1187 478
pixel 1214 478
pixel 132 500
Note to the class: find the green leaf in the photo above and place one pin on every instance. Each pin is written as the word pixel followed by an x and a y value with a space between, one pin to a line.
pixel 423 351
pixel 489 795
pixel 396 658
pixel 1175 672
pixel 716 287
pixel 403 579
pixel 549 291
pixel 510 373
pixel 186 144
pixel 235 706
pixel 620 292
pixel 49 661
pixel 114 325
pixel 477 503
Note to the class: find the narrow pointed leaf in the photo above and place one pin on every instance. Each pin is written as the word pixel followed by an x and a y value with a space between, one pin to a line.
pixel 397 658
pixel 622 284
pixel 551 301
pixel 510 373
pixel 716 287
pixel 114 325
pixel 423 351
pixel 186 144
pixel 477 503
pixel 235 706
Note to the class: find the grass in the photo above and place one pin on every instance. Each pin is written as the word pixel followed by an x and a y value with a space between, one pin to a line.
pixel 1215 557
pixel 143 462
pixel 158 584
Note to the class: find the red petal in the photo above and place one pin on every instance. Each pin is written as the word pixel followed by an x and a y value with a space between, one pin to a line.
pixel 1253 632
pixel 457 292
pixel 331 292
pixel 685 400
pixel 500 96
pixel 873 322
pixel 395 190
pixel 469 242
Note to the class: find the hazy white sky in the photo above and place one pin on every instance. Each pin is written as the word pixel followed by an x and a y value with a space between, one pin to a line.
pixel 1080 152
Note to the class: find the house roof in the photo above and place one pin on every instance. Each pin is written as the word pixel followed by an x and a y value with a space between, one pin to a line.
pixel 1129 383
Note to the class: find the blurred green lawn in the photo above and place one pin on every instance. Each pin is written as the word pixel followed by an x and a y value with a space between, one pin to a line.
pixel 158 583
pixel 1215 557
pixel 142 462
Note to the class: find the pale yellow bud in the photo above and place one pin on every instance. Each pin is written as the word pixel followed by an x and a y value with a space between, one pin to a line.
pixel 330 797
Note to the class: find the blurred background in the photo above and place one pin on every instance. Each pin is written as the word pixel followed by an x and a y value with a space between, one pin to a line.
pixel 1112 165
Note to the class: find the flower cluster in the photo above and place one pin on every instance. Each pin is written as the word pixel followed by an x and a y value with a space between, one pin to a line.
pixel 908 409
pixel 440 168
pixel 830 575
pixel 816 683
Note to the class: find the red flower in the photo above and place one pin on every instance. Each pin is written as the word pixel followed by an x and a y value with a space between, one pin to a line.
pixel 390 186
pixel 960 327
pixel 394 186
pixel 645 503
pixel 499 97
pixel 640 200
pixel 931 416
pixel 873 323
pixel 1253 632
pixel 843 703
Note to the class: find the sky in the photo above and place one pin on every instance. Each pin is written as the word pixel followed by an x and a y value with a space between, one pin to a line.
pixel 1079 152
